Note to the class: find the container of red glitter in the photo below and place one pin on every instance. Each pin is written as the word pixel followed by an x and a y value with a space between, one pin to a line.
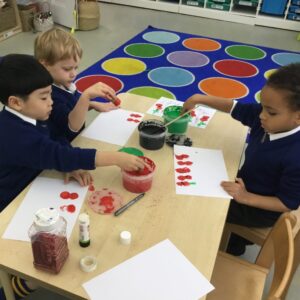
pixel 48 240
pixel 139 181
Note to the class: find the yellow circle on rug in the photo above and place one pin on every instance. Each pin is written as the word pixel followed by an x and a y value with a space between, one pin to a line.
pixel 124 66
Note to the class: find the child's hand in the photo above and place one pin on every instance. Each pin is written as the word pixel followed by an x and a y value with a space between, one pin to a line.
pixel 236 190
pixel 102 107
pixel 84 178
pixel 102 90
pixel 129 162
pixel 190 103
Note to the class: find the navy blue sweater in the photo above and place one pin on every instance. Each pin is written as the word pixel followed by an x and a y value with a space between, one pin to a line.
pixel 271 168
pixel 63 104
pixel 26 150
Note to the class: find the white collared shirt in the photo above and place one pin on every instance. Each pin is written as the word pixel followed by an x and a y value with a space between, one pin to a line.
pixel 72 89
pixel 24 118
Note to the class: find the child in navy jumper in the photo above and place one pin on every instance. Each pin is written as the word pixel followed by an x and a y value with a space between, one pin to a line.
pixel 268 183
pixel 60 53
pixel 26 148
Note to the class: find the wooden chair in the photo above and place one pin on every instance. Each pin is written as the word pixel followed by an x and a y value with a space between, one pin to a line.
pixel 236 279
pixel 253 234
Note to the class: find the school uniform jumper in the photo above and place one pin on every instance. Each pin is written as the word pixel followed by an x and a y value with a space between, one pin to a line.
pixel 63 103
pixel 26 149
pixel 271 168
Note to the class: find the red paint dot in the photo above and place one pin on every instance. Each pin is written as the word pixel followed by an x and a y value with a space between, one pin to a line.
pixel 91 188
pixel 108 203
pixel 74 196
pixel 71 208
pixel 183 170
pixel 65 195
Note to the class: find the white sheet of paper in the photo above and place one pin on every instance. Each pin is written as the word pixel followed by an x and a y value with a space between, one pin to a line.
pixel 45 192
pixel 161 272
pixel 207 171
pixel 200 116
pixel 113 127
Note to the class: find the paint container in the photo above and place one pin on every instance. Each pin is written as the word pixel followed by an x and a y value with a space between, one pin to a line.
pixel 139 181
pixel 152 134
pixel 49 240
pixel 180 126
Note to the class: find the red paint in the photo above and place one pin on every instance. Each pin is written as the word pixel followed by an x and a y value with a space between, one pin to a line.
pixel 91 188
pixel 73 196
pixel 71 208
pixel 183 183
pixel 108 203
pixel 187 163
pixel 133 120
pixel 193 113
pixel 158 105
pixel 65 195
pixel 183 170
pixel 204 118
pixel 182 156
pixel 139 181
pixel 183 177
pixel 117 102
pixel 135 115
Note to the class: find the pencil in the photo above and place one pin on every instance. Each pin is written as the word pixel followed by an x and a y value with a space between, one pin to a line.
pixel 131 202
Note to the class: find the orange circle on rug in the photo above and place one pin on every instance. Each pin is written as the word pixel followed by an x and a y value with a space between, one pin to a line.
pixel 201 44
pixel 124 66
pixel 223 87
pixel 236 68
pixel 85 82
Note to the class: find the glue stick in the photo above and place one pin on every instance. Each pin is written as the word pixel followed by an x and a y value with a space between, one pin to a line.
pixel 84 230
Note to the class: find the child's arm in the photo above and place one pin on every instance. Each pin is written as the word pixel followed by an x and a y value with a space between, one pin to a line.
pixel 218 103
pixel 78 114
pixel 238 191
pixel 123 160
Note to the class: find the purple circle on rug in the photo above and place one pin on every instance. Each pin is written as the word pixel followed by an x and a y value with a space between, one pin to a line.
pixel 188 59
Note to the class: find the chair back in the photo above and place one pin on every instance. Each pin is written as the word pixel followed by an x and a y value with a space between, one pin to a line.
pixel 280 248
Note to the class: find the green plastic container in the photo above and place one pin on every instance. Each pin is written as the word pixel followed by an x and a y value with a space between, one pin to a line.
pixel 180 126
pixel 132 150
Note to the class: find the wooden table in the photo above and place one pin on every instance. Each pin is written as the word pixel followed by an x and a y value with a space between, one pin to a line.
pixel 194 224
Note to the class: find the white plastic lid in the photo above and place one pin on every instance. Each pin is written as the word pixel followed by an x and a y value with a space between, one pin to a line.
pixel 125 237
pixel 46 219
pixel 84 218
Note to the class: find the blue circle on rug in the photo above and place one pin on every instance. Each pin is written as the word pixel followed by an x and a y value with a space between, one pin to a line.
pixel 161 37
pixel 171 76
pixel 285 58
pixel 188 59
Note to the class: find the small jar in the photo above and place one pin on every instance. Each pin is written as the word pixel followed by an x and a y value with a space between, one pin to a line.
pixel 48 240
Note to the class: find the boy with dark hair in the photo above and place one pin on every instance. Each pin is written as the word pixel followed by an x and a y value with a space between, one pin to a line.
pixel 268 183
pixel 26 148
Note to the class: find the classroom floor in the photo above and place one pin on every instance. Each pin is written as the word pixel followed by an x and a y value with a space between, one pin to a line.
pixel 119 23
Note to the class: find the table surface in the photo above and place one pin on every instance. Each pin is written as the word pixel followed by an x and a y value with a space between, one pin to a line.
pixel 193 223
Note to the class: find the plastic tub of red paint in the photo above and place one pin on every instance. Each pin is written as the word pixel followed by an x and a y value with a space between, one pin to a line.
pixel 179 126
pixel 139 181
pixel 152 134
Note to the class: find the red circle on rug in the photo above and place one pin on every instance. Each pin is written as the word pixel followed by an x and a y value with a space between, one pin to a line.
pixel 223 87
pixel 236 68
pixel 84 82
pixel 201 44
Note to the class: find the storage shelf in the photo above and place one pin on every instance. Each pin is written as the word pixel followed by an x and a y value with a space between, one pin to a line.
pixel 236 13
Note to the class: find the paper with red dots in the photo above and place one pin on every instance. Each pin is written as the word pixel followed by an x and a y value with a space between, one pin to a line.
pixel 46 192
pixel 114 127
pixel 199 171
pixel 199 117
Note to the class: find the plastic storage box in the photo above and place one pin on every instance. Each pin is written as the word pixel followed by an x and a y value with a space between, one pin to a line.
pixel 292 16
pixel 273 7
pixel 294 9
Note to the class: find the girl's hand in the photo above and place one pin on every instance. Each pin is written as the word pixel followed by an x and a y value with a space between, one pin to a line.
pixel 236 190
pixel 190 103
pixel 84 178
